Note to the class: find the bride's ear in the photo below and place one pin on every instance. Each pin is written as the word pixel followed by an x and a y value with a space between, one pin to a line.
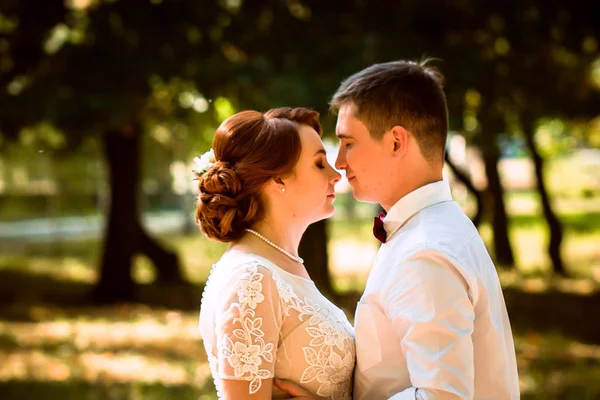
pixel 276 185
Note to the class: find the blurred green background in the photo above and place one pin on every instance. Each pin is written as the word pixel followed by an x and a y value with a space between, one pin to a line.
pixel 104 103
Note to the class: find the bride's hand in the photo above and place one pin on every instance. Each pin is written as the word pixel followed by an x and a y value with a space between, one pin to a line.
pixel 295 391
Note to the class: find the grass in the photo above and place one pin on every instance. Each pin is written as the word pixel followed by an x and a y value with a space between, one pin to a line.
pixel 135 352
pixel 54 345
pixel 126 352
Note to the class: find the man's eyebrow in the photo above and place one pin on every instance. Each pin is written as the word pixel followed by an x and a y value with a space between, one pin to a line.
pixel 321 151
pixel 344 136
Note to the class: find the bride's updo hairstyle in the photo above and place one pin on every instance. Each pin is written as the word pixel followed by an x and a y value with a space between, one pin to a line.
pixel 249 149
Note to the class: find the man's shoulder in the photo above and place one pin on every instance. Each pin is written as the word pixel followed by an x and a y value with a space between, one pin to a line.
pixel 444 229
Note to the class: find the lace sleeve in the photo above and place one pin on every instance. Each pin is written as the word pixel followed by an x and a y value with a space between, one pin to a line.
pixel 247 328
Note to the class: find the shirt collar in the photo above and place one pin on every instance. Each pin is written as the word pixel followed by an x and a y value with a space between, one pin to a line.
pixel 413 202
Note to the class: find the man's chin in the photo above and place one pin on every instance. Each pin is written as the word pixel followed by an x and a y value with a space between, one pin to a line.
pixel 362 197
pixel 358 195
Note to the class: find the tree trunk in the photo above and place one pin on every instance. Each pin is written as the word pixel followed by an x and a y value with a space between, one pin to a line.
pixel 554 225
pixel 313 249
pixel 122 150
pixel 464 178
pixel 502 248
pixel 124 235
pixel 166 262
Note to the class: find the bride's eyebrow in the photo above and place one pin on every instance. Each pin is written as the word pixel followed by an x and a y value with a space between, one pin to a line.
pixel 320 151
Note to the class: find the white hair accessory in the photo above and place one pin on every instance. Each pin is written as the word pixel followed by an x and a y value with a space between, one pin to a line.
pixel 204 162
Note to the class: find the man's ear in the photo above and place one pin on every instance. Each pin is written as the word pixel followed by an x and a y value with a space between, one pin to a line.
pixel 399 138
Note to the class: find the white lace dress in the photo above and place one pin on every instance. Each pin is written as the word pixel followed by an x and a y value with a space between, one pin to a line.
pixel 259 321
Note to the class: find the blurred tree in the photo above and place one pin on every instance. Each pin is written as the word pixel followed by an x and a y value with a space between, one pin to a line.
pixel 535 61
pixel 87 68
pixel 115 69
pixel 466 180
pixel 514 63
pixel 559 49
pixel 100 68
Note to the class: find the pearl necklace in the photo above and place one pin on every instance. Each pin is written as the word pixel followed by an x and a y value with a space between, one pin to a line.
pixel 267 241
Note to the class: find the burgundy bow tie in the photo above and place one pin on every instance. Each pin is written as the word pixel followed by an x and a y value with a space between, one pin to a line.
pixel 378 230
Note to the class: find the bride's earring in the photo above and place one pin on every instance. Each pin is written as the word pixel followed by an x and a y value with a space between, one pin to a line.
pixel 279 181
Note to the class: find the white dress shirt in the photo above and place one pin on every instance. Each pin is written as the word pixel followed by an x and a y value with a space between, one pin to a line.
pixel 432 322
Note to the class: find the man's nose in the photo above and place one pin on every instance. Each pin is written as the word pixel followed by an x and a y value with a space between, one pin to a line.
pixel 340 161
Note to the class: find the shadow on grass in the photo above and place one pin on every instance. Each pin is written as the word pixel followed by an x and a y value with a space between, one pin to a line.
pixel 83 390
pixel 571 315
pixel 20 291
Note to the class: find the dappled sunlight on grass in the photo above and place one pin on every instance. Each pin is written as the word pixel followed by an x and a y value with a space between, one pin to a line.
pixel 50 348
pixel 140 346
pixel 578 286
pixel 65 268
pixel 100 335
pixel 107 346
pixel 538 284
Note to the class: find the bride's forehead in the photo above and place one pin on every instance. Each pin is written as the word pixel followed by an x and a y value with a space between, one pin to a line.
pixel 310 139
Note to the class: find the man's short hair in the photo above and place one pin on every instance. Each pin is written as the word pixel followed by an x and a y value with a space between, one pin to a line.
pixel 405 93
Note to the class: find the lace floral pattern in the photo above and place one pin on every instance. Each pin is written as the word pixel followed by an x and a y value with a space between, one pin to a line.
pixel 331 371
pixel 249 350
pixel 328 332
pixel 328 358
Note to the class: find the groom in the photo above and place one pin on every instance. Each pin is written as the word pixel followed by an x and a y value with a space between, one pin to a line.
pixel 432 323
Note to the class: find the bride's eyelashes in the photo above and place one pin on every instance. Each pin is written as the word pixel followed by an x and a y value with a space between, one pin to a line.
pixel 321 164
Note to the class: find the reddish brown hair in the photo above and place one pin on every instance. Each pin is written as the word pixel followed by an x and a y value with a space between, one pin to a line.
pixel 250 148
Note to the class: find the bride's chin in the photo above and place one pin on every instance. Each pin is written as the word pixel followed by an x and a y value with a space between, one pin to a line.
pixel 327 213
pixel 330 212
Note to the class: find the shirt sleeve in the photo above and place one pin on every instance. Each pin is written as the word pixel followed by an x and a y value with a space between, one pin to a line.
pixel 247 328
pixel 429 306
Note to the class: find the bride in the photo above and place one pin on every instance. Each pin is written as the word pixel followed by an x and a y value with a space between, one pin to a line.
pixel 265 180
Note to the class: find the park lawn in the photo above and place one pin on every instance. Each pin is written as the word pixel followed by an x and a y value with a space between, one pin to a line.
pixel 351 250
pixel 50 348
pixel 135 352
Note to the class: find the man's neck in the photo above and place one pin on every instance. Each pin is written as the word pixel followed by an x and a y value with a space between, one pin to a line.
pixel 410 186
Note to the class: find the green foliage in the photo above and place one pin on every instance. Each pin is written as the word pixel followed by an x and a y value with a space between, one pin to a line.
pixel 95 65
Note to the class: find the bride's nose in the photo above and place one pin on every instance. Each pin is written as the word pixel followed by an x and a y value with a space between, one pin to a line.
pixel 335 176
